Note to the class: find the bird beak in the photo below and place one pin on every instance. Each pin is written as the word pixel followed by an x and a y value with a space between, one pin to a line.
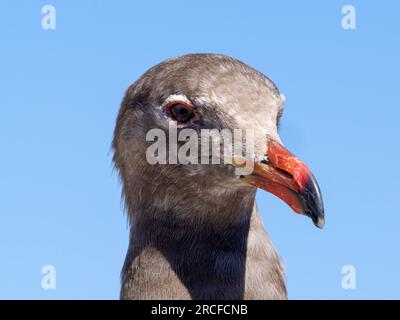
pixel 287 177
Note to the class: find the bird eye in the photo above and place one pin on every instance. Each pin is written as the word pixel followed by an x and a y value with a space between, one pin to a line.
pixel 180 111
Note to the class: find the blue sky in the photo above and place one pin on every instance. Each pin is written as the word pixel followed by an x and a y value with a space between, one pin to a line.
pixel 61 90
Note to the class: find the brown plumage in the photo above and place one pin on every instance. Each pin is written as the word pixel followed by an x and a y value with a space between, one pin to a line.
pixel 195 229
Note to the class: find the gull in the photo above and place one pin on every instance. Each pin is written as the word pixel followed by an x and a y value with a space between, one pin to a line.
pixel 195 229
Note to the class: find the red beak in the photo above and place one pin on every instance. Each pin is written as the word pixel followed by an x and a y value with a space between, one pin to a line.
pixel 287 177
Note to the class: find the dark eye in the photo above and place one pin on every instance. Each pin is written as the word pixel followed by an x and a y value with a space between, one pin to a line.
pixel 181 112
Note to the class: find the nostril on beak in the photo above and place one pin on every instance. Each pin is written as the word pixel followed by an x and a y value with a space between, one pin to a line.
pixel 264 159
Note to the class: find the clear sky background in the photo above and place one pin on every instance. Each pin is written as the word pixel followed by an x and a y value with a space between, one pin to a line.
pixel 60 91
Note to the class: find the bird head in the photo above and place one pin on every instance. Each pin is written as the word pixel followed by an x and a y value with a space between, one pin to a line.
pixel 196 93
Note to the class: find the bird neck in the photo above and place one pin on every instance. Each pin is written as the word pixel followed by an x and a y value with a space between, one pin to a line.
pixel 171 258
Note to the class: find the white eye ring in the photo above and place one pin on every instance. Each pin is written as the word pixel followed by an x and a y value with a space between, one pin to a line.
pixel 175 97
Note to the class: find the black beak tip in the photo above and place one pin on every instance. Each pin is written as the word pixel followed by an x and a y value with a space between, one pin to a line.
pixel 319 221
pixel 317 217
pixel 313 203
